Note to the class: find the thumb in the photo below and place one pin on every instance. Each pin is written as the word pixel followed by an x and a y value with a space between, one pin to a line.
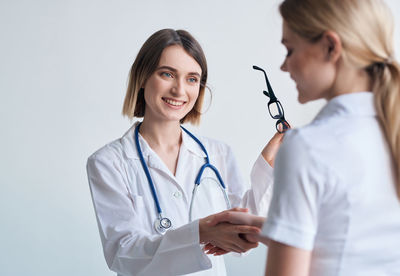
pixel 238 209
pixel 212 220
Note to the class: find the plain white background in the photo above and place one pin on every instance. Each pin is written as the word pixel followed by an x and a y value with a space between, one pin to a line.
pixel 63 74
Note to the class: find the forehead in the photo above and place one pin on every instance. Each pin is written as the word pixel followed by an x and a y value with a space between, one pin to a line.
pixel 175 56
pixel 288 35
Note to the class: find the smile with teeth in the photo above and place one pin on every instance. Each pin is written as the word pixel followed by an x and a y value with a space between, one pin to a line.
pixel 173 102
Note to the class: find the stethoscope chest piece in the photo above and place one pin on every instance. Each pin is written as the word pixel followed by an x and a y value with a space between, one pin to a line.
pixel 162 225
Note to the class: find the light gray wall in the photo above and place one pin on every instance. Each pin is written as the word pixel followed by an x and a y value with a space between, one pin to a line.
pixel 63 73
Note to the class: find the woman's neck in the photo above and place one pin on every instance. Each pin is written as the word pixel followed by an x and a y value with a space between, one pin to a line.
pixel 350 80
pixel 165 138
pixel 162 135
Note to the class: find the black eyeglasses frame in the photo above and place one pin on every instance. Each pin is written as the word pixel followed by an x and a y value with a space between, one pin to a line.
pixel 281 124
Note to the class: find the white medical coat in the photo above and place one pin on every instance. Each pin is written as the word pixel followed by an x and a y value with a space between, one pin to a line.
pixel 126 211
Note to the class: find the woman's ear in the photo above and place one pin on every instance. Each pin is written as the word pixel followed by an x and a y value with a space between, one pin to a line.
pixel 333 45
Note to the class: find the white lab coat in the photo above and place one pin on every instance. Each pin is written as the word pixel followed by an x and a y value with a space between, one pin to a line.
pixel 126 211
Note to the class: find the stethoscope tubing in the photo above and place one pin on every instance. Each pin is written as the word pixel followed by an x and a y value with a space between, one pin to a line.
pixel 146 171
pixel 197 180
pixel 199 143
pixel 223 190
pixel 208 165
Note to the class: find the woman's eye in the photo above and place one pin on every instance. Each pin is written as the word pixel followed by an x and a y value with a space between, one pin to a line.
pixel 166 74
pixel 193 80
pixel 289 52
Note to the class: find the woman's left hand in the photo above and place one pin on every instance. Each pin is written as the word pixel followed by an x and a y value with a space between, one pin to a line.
pixel 234 216
pixel 271 149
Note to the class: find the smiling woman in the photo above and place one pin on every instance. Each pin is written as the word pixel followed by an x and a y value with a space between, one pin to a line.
pixel 160 53
pixel 155 188
pixel 172 90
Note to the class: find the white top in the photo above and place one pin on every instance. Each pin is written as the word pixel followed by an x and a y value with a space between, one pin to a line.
pixel 334 192
pixel 126 211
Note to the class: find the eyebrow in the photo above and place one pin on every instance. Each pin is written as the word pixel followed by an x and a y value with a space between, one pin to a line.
pixel 174 70
pixel 283 41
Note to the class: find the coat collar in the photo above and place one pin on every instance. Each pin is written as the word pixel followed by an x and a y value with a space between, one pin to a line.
pixel 129 146
pixel 353 104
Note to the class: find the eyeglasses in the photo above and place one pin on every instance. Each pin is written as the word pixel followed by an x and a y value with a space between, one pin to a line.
pixel 275 108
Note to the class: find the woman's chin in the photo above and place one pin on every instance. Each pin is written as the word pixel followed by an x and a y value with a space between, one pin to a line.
pixel 302 99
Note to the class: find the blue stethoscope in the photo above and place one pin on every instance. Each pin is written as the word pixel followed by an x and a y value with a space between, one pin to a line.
pixel 162 224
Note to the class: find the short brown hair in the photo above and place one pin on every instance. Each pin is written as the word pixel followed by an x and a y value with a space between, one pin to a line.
pixel 146 63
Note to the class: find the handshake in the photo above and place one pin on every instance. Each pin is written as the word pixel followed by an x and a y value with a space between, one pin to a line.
pixel 234 230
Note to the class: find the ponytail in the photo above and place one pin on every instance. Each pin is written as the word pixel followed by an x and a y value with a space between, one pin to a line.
pixel 366 31
pixel 386 88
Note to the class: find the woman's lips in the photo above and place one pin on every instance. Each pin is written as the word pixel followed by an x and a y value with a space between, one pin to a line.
pixel 174 103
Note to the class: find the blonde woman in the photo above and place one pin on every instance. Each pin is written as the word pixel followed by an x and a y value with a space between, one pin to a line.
pixel 335 208
pixel 142 184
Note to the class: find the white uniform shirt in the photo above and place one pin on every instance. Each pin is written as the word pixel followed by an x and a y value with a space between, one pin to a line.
pixel 126 211
pixel 334 192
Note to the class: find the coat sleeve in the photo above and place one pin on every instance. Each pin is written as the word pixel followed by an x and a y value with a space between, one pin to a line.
pixel 303 181
pixel 258 197
pixel 128 248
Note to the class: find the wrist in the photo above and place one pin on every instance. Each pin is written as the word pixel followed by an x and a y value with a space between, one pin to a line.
pixel 203 230
pixel 267 157
pixel 259 221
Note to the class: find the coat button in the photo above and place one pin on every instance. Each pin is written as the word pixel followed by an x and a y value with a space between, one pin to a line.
pixel 177 194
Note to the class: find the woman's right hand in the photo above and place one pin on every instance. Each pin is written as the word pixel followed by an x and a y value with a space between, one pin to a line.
pixel 271 149
pixel 225 235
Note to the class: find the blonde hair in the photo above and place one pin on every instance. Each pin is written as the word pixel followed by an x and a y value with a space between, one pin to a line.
pixel 366 31
pixel 146 63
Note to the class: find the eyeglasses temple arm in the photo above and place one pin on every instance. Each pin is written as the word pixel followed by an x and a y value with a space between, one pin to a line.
pixel 270 91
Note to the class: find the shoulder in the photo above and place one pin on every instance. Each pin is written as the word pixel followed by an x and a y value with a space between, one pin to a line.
pixel 110 153
pixel 296 141
pixel 318 139
pixel 305 150
pixel 119 149
pixel 294 149
pixel 215 147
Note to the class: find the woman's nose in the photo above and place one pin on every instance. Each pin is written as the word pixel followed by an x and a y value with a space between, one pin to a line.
pixel 179 87
pixel 283 66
